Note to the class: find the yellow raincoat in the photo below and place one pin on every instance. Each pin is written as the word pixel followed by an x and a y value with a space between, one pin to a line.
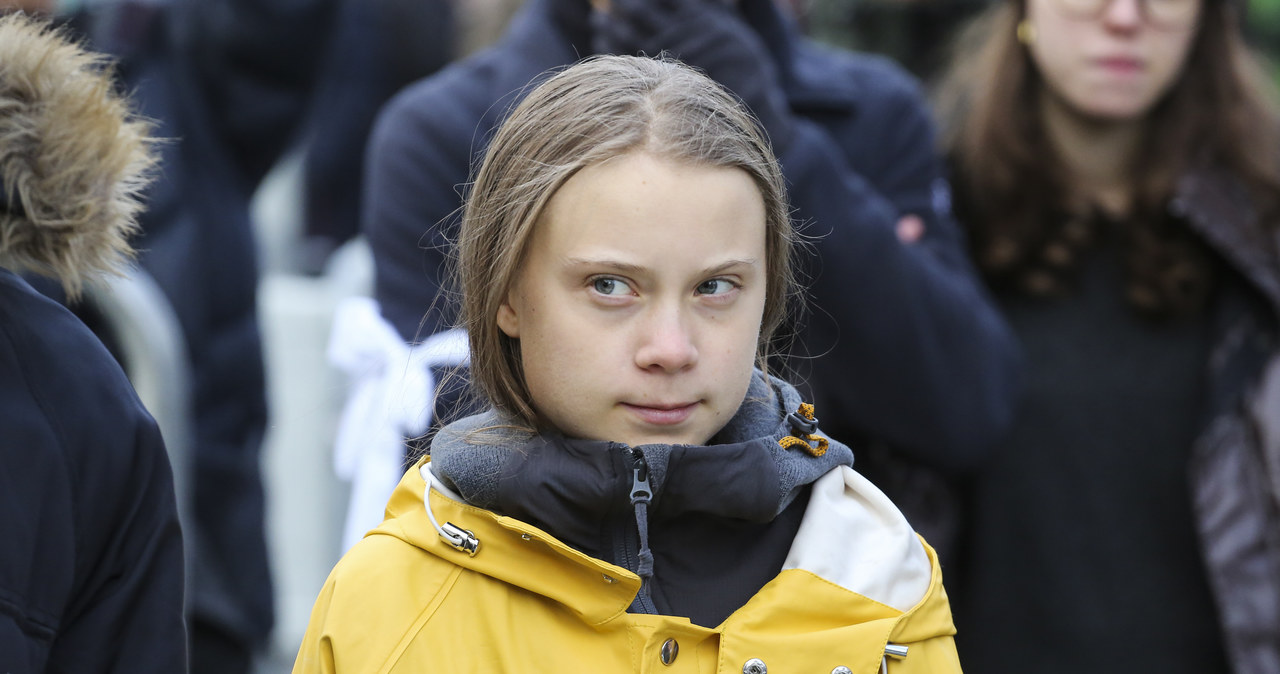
pixel 405 599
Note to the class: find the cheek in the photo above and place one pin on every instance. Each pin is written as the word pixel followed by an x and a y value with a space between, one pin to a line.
pixel 741 338
pixel 1053 55
pixel 1056 50
pixel 548 364
pixel 557 342
pixel 1172 59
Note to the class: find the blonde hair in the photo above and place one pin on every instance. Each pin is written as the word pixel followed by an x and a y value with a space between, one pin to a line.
pixel 600 108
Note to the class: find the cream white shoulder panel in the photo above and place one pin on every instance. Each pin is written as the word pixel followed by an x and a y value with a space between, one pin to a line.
pixel 853 536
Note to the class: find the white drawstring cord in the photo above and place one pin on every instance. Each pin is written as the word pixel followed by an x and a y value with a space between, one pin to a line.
pixel 454 535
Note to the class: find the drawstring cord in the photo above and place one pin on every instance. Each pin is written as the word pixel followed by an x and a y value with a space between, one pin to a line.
pixel 803 425
pixel 454 535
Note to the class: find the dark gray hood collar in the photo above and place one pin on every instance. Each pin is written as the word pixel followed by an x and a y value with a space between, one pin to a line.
pixel 557 482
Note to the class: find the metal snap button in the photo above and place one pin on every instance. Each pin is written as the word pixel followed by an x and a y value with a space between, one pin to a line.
pixel 755 666
pixel 841 670
pixel 670 649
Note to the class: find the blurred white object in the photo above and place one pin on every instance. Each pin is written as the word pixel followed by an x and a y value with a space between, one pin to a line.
pixel 306 502
pixel 392 397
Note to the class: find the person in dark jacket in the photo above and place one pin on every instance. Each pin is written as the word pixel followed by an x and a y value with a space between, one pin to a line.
pixel 228 83
pixel 1118 165
pixel 378 47
pixel 902 346
pixel 91 558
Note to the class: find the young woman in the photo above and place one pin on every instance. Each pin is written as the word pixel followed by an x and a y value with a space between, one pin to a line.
pixel 1117 163
pixel 639 495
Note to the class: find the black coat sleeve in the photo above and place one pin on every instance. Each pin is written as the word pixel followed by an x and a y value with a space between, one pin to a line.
pixel 255 63
pixel 127 605
pixel 418 159
pixel 906 345
pixel 91 556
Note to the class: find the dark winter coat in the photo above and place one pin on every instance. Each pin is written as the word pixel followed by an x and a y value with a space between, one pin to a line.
pixel 1235 461
pixel 227 83
pixel 1233 470
pixel 906 346
pixel 91 553
pixel 91 570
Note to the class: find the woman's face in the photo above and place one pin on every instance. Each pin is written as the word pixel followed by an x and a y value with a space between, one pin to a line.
pixel 639 303
pixel 1114 63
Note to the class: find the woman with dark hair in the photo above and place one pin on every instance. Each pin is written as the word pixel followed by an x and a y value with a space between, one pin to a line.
pixel 1117 164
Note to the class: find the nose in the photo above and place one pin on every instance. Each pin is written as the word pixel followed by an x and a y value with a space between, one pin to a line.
pixel 1123 14
pixel 667 343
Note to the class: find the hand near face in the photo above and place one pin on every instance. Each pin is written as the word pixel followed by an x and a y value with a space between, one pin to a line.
pixel 707 34
pixel 910 228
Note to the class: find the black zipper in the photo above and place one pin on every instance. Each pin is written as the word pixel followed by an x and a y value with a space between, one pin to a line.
pixel 641 492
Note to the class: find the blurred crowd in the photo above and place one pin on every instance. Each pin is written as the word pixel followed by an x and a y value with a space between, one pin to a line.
pixel 1042 294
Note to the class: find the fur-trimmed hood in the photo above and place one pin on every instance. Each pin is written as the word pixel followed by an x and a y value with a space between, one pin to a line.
pixel 73 157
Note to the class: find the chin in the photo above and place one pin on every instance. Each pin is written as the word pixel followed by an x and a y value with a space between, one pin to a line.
pixel 1116 110
pixel 660 440
pixel 674 438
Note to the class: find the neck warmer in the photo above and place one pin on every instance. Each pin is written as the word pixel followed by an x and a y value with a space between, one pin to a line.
pixel 600 496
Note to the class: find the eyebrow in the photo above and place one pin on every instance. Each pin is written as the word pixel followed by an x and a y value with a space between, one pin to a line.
pixel 628 268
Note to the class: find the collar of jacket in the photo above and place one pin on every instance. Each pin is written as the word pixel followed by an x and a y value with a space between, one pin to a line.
pixel 575 488
pixel 1218 206
pixel 880 571
pixel 549 34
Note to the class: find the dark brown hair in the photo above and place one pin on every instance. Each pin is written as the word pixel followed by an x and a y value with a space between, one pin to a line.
pixel 1016 196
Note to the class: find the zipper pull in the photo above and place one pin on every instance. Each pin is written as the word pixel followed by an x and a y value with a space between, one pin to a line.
pixel 640 489
pixel 641 495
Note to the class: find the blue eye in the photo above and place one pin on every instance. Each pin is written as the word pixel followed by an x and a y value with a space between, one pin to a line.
pixel 716 286
pixel 609 286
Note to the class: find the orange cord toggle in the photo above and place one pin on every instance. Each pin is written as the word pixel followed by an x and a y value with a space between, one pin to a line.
pixel 803 425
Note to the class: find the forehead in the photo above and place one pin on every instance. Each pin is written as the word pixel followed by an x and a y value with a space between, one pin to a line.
pixel 642 201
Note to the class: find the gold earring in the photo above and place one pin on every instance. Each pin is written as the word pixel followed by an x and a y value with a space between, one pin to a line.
pixel 1026 33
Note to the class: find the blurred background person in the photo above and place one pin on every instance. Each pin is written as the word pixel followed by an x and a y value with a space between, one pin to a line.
pixel 903 346
pixel 915 33
pixel 1262 27
pixel 377 47
pixel 228 83
pixel 91 559
pixel 1117 164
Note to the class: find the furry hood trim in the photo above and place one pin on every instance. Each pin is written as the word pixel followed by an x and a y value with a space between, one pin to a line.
pixel 74 158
